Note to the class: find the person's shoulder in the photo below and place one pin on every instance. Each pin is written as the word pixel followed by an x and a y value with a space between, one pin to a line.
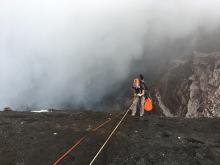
pixel 142 82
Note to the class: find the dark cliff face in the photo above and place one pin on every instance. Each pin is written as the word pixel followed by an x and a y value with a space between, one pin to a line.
pixel 174 87
pixel 191 86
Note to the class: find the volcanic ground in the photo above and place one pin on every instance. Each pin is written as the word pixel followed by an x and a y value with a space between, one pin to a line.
pixel 28 138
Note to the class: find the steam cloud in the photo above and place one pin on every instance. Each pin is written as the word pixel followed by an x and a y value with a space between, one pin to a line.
pixel 75 52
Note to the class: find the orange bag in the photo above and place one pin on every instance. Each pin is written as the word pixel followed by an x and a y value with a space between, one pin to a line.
pixel 148 106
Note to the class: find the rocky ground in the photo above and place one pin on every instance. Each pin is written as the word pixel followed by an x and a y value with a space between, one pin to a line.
pixel 28 138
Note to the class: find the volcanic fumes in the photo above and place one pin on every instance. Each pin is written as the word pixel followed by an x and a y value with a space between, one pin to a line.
pixel 75 54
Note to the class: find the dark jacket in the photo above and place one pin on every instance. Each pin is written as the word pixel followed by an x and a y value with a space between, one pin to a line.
pixel 139 90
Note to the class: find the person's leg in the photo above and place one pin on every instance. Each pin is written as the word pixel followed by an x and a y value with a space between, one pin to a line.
pixel 142 106
pixel 134 105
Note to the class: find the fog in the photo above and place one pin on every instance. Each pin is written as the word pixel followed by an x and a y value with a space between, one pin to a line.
pixel 69 53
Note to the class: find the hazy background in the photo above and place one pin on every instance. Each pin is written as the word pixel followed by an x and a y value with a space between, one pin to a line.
pixel 59 53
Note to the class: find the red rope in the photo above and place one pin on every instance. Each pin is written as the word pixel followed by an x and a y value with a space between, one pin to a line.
pixel 79 141
pixel 95 129
pixel 67 152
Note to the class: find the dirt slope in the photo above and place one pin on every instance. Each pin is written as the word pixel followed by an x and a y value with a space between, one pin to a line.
pixel 40 138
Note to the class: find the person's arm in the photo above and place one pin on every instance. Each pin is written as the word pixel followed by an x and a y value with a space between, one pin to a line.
pixel 133 89
pixel 143 90
pixel 142 94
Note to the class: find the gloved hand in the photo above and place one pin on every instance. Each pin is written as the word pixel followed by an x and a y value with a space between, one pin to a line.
pixel 139 95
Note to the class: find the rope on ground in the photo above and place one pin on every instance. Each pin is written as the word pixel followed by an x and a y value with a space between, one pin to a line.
pixel 100 150
pixel 68 151
pixel 101 125
pixel 79 141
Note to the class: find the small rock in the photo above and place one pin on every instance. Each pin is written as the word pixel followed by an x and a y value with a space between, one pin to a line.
pixel 7 109
pixel 89 128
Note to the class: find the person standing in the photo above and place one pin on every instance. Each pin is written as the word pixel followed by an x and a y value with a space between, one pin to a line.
pixel 139 95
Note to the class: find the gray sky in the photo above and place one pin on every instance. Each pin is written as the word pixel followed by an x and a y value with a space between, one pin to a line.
pixel 57 52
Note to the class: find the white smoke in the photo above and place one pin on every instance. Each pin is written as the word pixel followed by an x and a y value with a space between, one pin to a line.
pixel 58 52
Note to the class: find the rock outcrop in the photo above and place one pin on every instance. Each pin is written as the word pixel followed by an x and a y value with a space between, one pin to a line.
pixel 7 109
pixel 191 86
